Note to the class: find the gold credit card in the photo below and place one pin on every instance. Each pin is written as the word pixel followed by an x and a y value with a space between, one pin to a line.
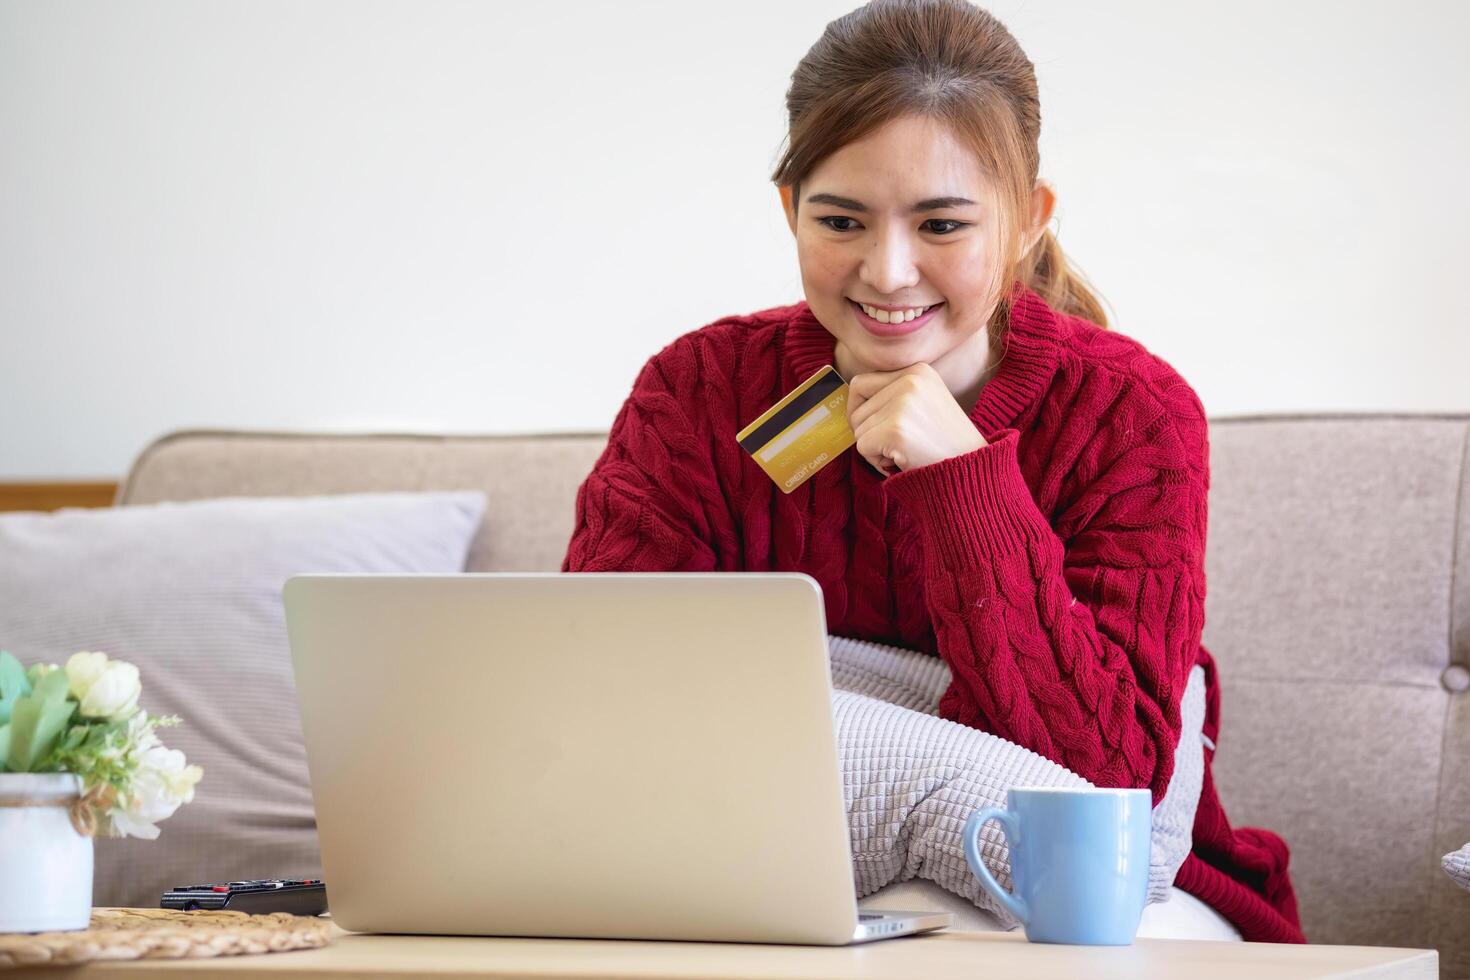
pixel 802 432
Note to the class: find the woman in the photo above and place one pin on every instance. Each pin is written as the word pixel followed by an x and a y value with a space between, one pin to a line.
pixel 1027 494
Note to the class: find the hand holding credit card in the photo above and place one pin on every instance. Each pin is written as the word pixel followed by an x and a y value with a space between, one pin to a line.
pixel 802 432
pixel 899 420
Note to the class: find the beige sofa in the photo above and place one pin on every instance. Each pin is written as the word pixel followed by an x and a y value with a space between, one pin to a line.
pixel 1338 611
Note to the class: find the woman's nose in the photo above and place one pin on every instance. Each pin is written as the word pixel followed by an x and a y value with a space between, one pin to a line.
pixel 889 265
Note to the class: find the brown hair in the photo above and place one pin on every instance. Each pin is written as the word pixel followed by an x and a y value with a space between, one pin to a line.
pixel 954 62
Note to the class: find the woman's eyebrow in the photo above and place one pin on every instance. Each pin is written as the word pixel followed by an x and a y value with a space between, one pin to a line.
pixel 929 204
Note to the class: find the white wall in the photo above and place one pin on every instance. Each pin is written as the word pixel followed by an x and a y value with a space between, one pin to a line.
pixel 484 217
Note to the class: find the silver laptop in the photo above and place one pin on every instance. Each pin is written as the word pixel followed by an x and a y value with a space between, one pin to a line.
pixel 619 755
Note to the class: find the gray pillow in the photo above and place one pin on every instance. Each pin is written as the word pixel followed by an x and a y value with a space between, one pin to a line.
pixel 1457 865
pixel 191 593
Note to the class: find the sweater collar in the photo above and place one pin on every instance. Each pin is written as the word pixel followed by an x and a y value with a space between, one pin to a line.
pixel 1029 357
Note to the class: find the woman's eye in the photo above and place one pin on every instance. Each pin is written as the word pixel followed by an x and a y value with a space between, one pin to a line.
pixel 957 225
pixel 828 222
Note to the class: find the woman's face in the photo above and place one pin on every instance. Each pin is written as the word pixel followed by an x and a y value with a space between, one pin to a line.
pixel 903 218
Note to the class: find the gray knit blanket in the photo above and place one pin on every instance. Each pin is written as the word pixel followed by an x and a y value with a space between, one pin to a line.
pixel 1457 865
pixel 911 779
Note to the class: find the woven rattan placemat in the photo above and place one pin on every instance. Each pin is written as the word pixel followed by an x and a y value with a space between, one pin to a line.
pixel 133 934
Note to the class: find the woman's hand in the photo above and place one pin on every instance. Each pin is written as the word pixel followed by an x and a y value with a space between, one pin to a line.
pixel 907 419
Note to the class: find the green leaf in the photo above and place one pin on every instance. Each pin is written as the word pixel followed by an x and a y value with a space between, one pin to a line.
pixel 13 684
pixel 4 747
pixel 35 728
pixel 74 737
pixel 53 687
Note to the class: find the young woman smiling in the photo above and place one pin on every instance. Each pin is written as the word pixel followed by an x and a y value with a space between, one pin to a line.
pixel 1027 498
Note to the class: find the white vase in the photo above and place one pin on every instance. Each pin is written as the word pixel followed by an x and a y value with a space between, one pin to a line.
pixel 45 865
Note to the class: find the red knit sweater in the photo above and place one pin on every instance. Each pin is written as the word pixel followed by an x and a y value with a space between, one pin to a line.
pixel 1058 570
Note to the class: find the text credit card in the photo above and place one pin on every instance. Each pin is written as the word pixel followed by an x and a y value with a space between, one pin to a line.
pixel 802 432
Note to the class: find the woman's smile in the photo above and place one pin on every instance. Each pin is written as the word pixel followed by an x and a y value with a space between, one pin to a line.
pixel 893 329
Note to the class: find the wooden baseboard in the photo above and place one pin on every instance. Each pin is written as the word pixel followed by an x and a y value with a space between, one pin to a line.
pixel 54 496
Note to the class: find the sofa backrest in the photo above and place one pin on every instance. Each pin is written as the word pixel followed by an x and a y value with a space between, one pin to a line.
pixel 530 482
pixel 1338 611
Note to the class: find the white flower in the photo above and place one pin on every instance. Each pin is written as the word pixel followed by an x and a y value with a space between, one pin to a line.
pixel 136 740
pixel 82 671
pixel 105 688
pixel 162 783
pixel 141 736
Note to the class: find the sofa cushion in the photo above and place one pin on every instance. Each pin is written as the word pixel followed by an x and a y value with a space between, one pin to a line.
pixel 191 593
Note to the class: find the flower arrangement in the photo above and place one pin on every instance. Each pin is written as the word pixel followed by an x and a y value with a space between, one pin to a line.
pixel 83 718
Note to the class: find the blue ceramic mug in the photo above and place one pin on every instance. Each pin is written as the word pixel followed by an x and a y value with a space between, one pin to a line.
pixel 1079 861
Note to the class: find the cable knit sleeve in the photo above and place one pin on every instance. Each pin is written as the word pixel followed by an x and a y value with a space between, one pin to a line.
pixel 1079 651
pixel 651 502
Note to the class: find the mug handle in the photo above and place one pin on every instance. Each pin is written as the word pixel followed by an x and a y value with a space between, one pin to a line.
pixel 1011 829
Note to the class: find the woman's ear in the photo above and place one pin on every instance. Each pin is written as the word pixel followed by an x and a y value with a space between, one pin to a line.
pixel 1043 204
pixel 786 206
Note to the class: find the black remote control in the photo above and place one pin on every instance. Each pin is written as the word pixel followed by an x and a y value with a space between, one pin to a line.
pixel 299 896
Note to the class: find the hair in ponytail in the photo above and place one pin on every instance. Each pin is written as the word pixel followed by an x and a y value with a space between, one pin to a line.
pixel 954 62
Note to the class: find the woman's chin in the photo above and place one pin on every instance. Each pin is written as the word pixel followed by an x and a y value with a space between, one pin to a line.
pixel 888 357
pixel 863 354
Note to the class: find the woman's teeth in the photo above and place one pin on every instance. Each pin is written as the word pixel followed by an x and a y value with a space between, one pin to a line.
pixel 897 316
